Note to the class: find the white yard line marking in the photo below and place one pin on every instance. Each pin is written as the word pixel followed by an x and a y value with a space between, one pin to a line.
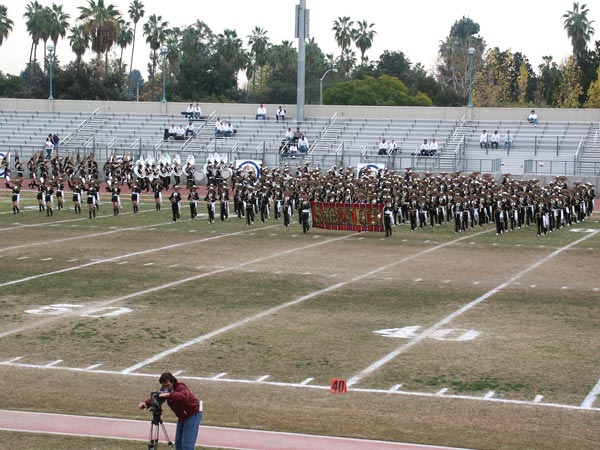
pixel 117 258
pixel 590 399
pixel 72 260
pixel 306 384
pixel 538 398
pixel 47 259
pixel 278 308
pixel 442 391
pixel 14 359
pixel 432 329
pixel 263 378
pixel 179 372
pixel 173 265
pixel 53 363
pixel 23 257
pixel 395 388
pixel 93 366
pixel 122 262
pixel 489 395
pixel 148 264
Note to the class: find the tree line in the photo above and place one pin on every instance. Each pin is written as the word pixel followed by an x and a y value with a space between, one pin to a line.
pixel 198 64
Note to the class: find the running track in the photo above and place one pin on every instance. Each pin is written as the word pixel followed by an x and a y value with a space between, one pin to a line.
pixel 228 438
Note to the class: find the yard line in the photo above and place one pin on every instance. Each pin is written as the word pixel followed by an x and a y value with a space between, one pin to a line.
pixel 299 300
pixel 53 363
pixel 305 382
pixel 442 391
pixel 489 395
pixel 395 387
pixel 432 329
pixel 221 375
pixel 93 366
pixel 538 398
pixel 263 378
pixel 589 400
pixel 117 258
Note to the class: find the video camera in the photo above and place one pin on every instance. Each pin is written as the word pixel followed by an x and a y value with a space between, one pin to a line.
pixel 156 406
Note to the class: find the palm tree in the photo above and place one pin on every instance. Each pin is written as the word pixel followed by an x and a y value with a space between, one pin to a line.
pixel 6 24
pixel 346 61
pixel 230 48
pixel 125 38
pixel 363 38
pixel 343 32
pixel 173 43
pixel 136 12
pixel 45 31
pixel 79 41
pixel 579 29
pixel 34 22
pixel 59 24
pixel 259 46
pixel 101 25
pixel 155 33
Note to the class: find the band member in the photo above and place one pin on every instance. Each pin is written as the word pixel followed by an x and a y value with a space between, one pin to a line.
pixel 114 198
pixel 278 203
pixel 211 199
pixel 194 198
pixel 224 201
pixel 305 214
pixel 40 196
pixel 287 209
pixel 388 217
pixel 60 191
pixel 156 189
pixel 249 203
pixel 76 189
pixel 91 199
pixel 135 196
pixel 48 199
pixel 175 198
pixel 264 205
pixel 16 193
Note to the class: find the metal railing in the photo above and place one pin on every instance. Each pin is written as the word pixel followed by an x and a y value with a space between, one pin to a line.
pixel 323 132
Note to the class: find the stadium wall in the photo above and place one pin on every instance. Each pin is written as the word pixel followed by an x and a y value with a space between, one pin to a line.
pixel 238 109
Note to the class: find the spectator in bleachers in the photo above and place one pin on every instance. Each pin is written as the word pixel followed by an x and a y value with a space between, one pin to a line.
pixel 189 129
pixel 393 148
pixel 433 148
pixel 383 147
pixel 495 139
pixel 55 141
pixel 284 148
pixel 189 112
pixel 297 135
pixel 508 140
pixel 280 114
pixel 219 128
pixel 261 112
pixel 424 148
pixel 289 135
pixel 533 118
pixel 180 133
pixel 172 132
pixel 303 144
pixel 483 140
pixel 197 111
pixel 230 131
pixel 49 146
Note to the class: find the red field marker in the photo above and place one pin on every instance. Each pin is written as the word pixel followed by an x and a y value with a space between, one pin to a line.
pixel 338 386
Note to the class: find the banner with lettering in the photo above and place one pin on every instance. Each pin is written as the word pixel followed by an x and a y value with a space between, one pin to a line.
pixel 347 216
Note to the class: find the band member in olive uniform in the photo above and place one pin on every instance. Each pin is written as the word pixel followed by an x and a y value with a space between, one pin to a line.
pixel 388 217
pixel 287 209
pixel 48 199
pixel 60 190
pixel 91 200
pixel 249 206
pixel 211 199
pixel 175 198
pixel 224 201
pixel 76 189
pixel 114 198
pixel 305 214
pixel 499 218
pixel 264 204
pixel 136 190
pixel 156 188
pixel 40 196
pixel 194 198
pixel 16 191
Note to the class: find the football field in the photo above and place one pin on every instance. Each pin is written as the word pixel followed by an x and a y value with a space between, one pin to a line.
pixel 469 340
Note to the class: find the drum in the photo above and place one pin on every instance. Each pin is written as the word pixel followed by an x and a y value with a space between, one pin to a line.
pixel 199 176
pixel 226 173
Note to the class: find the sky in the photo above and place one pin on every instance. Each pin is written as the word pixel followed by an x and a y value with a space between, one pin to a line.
pixel 534 27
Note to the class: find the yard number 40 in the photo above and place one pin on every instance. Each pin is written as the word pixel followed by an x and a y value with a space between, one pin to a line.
pixel 68 308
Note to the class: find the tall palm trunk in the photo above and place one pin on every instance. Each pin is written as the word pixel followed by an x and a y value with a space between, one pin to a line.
pixel 131 63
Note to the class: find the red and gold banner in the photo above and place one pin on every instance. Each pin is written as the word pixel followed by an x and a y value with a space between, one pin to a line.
pixel 347 216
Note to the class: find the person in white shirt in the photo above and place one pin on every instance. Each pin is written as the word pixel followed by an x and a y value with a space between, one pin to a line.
pixel 229 130
pixel 180 133
pixel 495 140
pixel 218 128
pixel 261 112
pixel 189 129
pixel 289 135
pixel 280 114
pixel 383 147
pixel 483 139
pixel 508 140
pixel 533 118
pixel 424 149
pixel 303 144
pixel 197 111
pixel 189 112
pixel 173 131
pixel 393 147
pixel 49 146
pixel 433 148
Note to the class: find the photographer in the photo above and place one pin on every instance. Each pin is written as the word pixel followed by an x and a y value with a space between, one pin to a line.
pixel 186 407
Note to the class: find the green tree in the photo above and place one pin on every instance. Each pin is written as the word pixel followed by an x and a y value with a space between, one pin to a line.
pixel 34 22
pixel 549 79
pixel 342 27
pixel 346 61
pixel 259 52
pixel 394 64
pixel 136 13
pixel 363 38
pixel 570 89
pixel 59 24
pixel 79 41
pixel 101 26
pixel 125 38
pixel 6 25
pixel 492 86
pixel 522 84
pixel 155 32
pixel 453 58
pixel 593 93
pixel 579 29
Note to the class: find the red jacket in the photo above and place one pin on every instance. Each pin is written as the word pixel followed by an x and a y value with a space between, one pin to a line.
pixel 183 403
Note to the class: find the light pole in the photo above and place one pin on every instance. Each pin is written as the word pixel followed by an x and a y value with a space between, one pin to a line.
pixel 471 53
pixel 333 69
pixel 51 57
pixel 163 51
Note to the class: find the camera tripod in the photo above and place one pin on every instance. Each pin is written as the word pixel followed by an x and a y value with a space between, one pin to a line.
pixel 155 425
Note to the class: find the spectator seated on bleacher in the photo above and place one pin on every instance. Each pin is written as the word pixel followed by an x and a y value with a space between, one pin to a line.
pixel 229 130
pixel 423 149
pixel 284 148
pixel 495 140
pixel 219 131
pixel 197 111
pixel 393 148
pixel 189 129
pixel 383 147
pixel 289 135
pixel 180 136
pixel 293 150
pixel 280 114
pixel 433 148
pixel 189 112
pixel 508 140
pixel 261 112
pixel 483 140
pixel 303 144
pixel 297 135
pixel 533 118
